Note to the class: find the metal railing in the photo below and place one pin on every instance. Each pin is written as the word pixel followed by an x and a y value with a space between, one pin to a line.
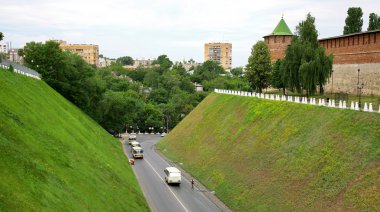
pixel 20 69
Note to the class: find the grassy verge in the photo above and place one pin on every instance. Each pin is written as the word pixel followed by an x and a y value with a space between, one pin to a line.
pixel 262 155
pixel 55 158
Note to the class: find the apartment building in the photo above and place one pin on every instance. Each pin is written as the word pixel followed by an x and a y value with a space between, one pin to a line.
pixel 3 48
pixel 89 52
pixel 219 52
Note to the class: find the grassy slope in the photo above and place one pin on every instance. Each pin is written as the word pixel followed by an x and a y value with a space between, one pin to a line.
pixel 55 158
pixel 264 155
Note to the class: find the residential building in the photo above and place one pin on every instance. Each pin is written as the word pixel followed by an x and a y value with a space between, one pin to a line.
pixel 3 48
pixel 104 62
pixel 89 52
pixel 142 62
pixel 219 52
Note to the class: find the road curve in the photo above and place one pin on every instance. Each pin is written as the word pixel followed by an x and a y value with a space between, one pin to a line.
pixel 160 196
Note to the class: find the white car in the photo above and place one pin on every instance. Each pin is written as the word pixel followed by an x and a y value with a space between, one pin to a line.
pixel 163 134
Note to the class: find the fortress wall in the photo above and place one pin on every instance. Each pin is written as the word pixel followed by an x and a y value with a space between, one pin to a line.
pixel 345 79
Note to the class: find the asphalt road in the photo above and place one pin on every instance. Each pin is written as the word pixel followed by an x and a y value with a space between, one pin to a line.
pixel 160 196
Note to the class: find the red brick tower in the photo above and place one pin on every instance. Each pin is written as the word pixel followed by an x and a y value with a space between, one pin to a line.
pixel 279 40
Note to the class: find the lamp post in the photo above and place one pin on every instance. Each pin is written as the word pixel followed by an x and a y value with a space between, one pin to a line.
pixel 332 81
pixel 359 87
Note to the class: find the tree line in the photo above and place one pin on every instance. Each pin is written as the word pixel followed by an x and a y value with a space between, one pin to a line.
pixel 354 21
pixel 146 99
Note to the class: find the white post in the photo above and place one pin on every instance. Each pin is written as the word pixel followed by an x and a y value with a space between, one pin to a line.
pixel 333 103
pixel 323 102
pixel 357 106
pixel 344 105
pixel 370 109
pixel 352 105
pixel 365 107
pixel 340 104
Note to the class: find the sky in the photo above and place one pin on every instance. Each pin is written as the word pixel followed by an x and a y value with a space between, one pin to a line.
pixel 177 28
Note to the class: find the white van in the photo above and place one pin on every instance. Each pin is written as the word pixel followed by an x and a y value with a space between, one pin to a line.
pixel 172 175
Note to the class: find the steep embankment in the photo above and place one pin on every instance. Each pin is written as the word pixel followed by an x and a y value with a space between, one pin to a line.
pixel 55 158
pixel 267 155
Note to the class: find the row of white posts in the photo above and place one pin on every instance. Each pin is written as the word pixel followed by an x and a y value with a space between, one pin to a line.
pixel 301 100
pixel 20 72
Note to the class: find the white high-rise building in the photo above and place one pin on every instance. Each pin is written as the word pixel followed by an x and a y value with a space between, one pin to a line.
pixel 3 48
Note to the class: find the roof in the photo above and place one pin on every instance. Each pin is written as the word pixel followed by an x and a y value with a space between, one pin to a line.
pixel 348 35
pixel 136 148
pixel 172 169
pixel 281 29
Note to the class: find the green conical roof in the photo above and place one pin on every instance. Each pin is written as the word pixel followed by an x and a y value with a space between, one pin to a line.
pixel 281 29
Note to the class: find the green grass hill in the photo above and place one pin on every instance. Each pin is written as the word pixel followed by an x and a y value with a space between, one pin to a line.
pixel 262 155
pixel 55 158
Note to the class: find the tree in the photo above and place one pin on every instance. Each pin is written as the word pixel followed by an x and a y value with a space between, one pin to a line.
pixel 237 72
pixel 178 67
pixel 277 79
pixel 259 66
pixel 65 72
pixel 374 22
pixel 118 69
pixel 126 60
pixel 354 20
pixel 152 79
pixel 306 66
pixel 158 96
pixel 164 62
pixel 1 36
pixel 138 74
pixel 207 71
pixel 119 109
pixel 151 116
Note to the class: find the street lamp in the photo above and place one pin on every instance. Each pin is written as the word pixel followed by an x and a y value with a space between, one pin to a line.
pixel 359 87
pixel 332 81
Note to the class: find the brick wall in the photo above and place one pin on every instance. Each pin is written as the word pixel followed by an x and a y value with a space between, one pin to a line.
pixel 354 49
pixel 277 45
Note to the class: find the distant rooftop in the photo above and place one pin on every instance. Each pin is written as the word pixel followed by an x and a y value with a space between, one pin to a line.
pixel 281 29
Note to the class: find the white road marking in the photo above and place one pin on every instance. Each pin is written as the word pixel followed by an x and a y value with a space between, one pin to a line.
pixel 167 187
